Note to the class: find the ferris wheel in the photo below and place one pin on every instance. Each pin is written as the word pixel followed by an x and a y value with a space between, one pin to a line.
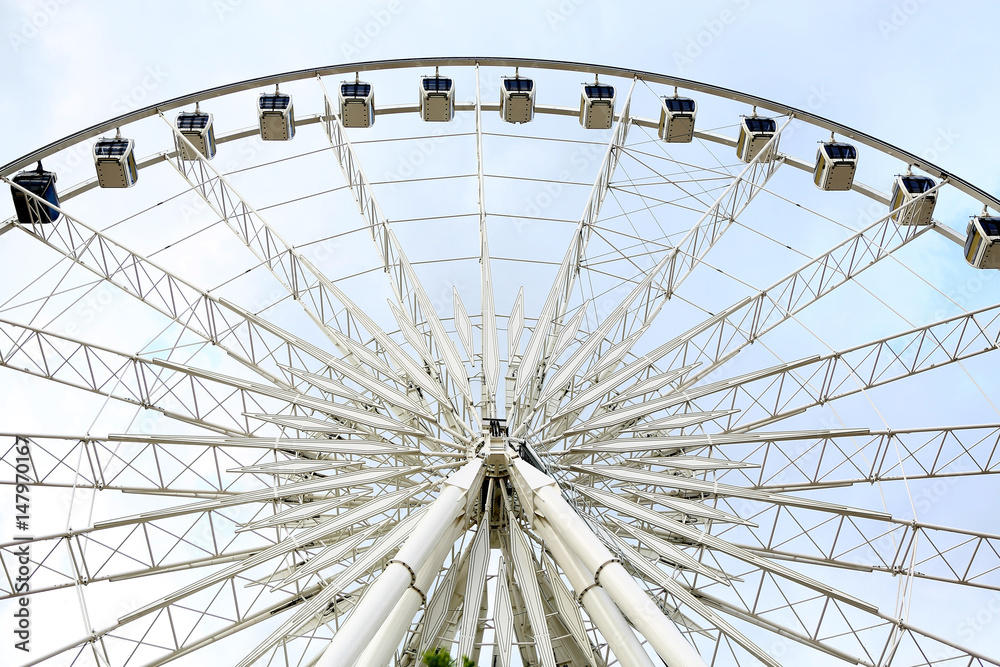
pixel 531 362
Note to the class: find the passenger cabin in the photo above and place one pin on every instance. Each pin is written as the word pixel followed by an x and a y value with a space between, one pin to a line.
pixel 196 127
pixel 677 119
pixel 982 244
pixel 276 116
pixel 437 98
pixel 517 99
pixel 597 106
pixel 42 184
pixel 835 166
pixel 357 104
pixel 115 163
pixel 755 132
pixel 906 189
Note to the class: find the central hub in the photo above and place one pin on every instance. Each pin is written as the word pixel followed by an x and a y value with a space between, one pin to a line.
pixel 496 453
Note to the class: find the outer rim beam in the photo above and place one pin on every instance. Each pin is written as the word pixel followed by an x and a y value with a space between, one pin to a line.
pixel 951 234
pixel 561 65
pixel 554 110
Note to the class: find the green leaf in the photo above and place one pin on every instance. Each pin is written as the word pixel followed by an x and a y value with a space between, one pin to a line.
pixel 438 659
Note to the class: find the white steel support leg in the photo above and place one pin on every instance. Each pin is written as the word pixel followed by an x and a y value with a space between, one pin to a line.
pixel 390 634
pixel 539 492
pixel 600 607
pixel 401 574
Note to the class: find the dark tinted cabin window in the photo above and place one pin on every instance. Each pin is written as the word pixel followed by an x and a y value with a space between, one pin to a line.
pixel 917 184
pixel 518 85
pixel 679 104
pixel 599 92
pixel 841 151
pixel 192 121
pixel 355 89
pixel 111 148
pixel 437 85
pixel 991 226
pixel 758 125
pixel 275 102
pixel 36 183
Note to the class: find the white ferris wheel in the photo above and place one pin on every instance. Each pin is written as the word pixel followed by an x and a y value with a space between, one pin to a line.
pixel 534 362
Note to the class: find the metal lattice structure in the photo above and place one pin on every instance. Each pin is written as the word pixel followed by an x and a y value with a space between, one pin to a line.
pixel 521 392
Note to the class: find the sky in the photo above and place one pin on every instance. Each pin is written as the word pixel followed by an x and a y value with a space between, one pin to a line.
pixel 912 72
pixel 919 74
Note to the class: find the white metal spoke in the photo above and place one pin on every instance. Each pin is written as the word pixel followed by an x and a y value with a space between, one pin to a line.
pixel 490 344
pixel 539 346
pixel 747 320
pixel 295 272
pixel 649 300
pixel 220 322
pixel 128 378
pixel 403 280
pixel 810 382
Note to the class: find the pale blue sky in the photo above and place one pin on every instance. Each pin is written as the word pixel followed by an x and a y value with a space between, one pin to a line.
pixel 907 71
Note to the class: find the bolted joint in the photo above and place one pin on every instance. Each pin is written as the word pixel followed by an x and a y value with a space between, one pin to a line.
pixel 597 572
pixel 413 575
pixel 579 598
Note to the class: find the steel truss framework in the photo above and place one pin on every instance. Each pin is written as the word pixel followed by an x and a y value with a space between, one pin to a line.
pixel 665 453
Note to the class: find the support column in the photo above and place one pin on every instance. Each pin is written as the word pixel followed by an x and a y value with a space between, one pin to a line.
pixel 539 493
pixel 599 605
pixel 400 575
pixel 383 644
